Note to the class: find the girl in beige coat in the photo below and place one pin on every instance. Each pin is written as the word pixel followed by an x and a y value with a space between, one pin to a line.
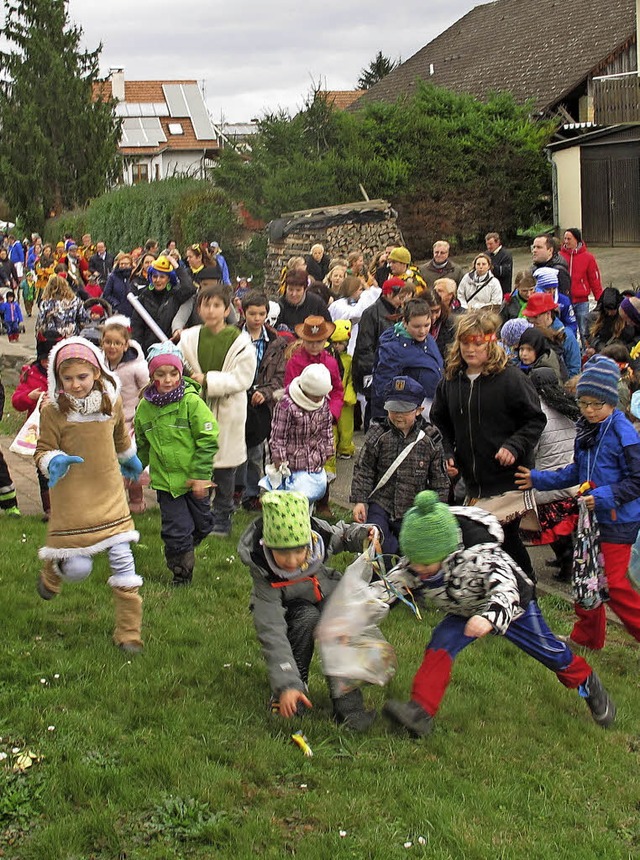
pixel 84 449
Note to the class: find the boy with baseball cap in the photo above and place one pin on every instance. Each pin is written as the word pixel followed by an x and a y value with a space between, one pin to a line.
pixel 400 456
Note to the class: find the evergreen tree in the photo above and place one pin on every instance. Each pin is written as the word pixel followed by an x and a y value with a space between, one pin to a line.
pixel 58 147
pixel 377 69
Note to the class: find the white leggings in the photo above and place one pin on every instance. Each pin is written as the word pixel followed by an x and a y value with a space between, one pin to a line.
pixel 123 568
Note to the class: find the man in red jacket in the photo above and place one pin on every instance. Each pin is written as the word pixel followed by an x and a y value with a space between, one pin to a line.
pixel 585 276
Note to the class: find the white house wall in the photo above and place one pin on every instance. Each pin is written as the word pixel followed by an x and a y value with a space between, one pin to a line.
pixel 568 187
pixel 182 163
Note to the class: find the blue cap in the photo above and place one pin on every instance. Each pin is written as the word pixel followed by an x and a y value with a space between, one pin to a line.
pixel 403 394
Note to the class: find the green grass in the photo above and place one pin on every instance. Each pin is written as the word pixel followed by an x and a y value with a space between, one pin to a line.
pixel 12 421
pixel 173 754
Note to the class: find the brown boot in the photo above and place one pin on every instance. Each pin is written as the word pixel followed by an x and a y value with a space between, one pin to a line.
pixel 49 583
pixel 128 606
pixel 137 504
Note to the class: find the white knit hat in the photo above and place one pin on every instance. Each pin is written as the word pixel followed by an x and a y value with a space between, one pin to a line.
pixel 315 380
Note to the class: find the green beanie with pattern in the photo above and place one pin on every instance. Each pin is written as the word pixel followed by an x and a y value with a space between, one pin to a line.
pixel 429 532
pixel 285 520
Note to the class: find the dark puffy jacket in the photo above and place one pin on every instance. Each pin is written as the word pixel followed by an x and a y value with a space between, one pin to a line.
pixel 117 289
pixel 476 420
pixel 375 319
pixel 399 355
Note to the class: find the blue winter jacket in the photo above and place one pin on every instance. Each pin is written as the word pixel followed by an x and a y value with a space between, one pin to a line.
pixel 570 349
pixel 399 355
pixel 116 291
pixel 613 465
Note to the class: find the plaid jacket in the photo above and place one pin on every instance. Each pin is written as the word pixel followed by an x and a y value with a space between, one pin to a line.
pixel 423 469
pixel 303 439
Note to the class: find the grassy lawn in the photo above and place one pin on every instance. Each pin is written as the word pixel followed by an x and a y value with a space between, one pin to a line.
pixel 173 754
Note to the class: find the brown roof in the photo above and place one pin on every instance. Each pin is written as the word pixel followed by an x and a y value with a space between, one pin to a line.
pixel 537 49
pixel 150 92
pixel 341 99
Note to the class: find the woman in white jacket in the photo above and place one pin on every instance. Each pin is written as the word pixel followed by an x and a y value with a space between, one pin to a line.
pixel 479 288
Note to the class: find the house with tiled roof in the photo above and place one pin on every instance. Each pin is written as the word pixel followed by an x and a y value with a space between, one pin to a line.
pixel 166 128
pixel 341 99
pixel 539 50
pixel 575 62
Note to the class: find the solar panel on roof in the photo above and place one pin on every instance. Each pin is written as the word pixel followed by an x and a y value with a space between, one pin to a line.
pixel 142 131
pixel 186 100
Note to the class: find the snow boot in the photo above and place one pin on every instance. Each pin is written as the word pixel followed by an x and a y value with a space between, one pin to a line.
pixel 127 633
pixel 349 711
pixel 410 715
pixel 49 583
pixel 181 566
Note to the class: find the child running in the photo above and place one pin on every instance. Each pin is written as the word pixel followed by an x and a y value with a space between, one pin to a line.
pixel 177 438
pixel 456 553
pixel 287 553
pixel 606 455
pixel 83 449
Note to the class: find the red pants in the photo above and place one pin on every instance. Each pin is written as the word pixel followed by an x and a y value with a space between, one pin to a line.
pixel 591 627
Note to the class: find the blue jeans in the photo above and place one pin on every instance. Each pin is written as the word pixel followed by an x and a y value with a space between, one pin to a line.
pixel 582 312
pixel 250 472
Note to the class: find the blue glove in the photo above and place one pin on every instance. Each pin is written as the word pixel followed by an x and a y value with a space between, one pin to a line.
pixel 132 468
pixel 59 466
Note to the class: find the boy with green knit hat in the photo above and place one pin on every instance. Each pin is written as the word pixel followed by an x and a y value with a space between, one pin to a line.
pixel 456 554
pixel 286 552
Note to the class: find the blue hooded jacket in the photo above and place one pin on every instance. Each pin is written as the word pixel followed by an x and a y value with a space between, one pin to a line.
pixel 613 465
pixel 399 355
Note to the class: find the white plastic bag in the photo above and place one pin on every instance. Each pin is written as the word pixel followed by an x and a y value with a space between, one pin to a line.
pixel 350 643
pixel 27 438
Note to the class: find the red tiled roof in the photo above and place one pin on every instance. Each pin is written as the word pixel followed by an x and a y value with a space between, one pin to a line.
pixel 341 99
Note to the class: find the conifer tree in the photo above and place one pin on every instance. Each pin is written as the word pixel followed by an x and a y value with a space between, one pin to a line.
pixel 58 146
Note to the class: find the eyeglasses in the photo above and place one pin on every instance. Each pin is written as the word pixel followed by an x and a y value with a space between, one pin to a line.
pixel 596 405
pixel 478 339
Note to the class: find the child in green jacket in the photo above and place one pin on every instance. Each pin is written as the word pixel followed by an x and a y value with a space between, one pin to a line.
pixel 177 437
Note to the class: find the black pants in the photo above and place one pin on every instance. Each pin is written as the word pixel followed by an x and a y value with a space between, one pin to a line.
pixel 186 520
pixel 302 618
pixel 514 547
pixel 7 490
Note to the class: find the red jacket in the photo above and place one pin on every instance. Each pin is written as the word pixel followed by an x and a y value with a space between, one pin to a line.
pixel 32 376
pixel 585 275
pixel 301 358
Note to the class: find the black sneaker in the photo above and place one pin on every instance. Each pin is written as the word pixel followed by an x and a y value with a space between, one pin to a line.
pixel 410 715
pixel 602 707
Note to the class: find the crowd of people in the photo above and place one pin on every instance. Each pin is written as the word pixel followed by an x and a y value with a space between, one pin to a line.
pixel 490 402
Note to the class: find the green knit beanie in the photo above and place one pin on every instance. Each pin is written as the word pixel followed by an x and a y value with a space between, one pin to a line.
pixel 429 530
pixel 285 520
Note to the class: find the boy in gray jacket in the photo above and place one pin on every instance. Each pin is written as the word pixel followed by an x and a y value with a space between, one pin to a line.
pixel 286 552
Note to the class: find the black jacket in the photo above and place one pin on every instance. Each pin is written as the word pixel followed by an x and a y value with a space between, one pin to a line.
pixel 375 319
pixel 502 263
pixel 293 315
pixel 102 267
pixel 500 410
pixel 564 278
pixel 162 305
pixel 318 270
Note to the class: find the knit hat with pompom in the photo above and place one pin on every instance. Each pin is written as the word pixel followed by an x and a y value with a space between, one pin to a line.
pixel 429 532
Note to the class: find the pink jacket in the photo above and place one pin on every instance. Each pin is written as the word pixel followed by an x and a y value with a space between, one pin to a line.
pixel 133 374
pixel 585 275
pixel 301 358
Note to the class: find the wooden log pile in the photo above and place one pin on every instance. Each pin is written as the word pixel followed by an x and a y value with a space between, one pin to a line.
pixel 339 239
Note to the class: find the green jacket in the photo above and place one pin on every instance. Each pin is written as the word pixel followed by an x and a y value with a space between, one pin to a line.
pixel 177 441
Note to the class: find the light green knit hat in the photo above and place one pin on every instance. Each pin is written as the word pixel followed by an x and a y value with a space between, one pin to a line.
pixel 429 532
pixel 285 520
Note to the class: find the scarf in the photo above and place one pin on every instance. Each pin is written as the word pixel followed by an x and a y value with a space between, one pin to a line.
pixel 153 395
pixel 586 433
pixel 300 398
pixel 88 405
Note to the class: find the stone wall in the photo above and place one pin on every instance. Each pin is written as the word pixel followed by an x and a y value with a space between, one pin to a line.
pixel 367 227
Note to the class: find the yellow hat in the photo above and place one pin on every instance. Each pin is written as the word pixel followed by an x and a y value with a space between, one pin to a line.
pixel 163 265
pixel 342 331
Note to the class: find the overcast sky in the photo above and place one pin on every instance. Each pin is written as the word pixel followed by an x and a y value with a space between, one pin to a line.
pixel 253 56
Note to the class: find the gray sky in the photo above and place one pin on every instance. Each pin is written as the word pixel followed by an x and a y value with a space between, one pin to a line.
pixel 253 56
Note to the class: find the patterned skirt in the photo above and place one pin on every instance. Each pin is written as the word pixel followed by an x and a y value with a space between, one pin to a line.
pixel 557 519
